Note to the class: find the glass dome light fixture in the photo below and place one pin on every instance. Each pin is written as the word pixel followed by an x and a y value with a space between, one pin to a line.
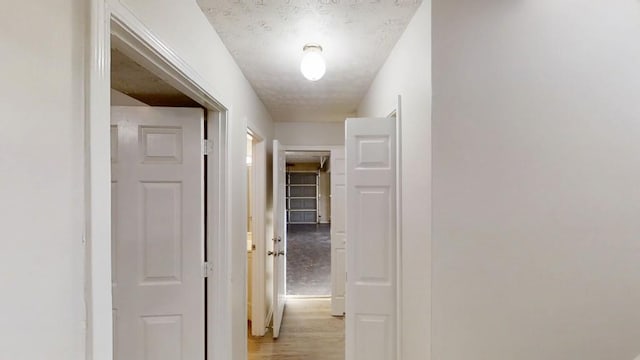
pixel 313 66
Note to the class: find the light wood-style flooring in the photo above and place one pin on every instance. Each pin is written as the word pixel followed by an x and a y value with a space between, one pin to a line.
pixel 308 332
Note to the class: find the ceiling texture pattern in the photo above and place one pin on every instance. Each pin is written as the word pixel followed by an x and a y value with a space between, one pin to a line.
pixel 266 38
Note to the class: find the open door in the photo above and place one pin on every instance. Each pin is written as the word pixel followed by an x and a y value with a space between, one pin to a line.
pixel 279 237
pixel 338 232
pixel 158 218
pixel 371 248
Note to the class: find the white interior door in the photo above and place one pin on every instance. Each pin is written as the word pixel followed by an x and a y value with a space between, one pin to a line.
pixel 279 237
pixel 371 248
pixel 338 232
pixel 158 217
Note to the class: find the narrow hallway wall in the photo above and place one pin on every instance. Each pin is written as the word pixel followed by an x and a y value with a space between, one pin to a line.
pixel 41 180
pixel 536 169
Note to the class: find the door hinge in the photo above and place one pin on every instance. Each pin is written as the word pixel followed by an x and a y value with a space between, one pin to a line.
pixel 207 269
pixel 207 146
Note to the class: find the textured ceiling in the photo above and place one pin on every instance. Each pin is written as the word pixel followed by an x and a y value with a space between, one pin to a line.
pixel 266 38
pixel 134 80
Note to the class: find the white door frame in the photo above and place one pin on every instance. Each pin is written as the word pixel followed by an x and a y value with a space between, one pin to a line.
pixel 329 148
pixel 109 18
pixel 397 114
pixel 259 316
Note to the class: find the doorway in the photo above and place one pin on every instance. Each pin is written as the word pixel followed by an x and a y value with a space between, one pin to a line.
pixel 308 206
pixel 158 206
pixel 112 27
pixel 331 210
pixel 308 328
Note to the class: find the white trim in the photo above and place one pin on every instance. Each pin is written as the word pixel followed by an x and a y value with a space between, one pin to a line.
pixel 107 17
pixel 219 250
pixel 259 234
pixel 135 40
pixel 398 116
pixel 98 190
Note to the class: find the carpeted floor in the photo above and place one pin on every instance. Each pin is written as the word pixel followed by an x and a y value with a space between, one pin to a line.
pixel 309 259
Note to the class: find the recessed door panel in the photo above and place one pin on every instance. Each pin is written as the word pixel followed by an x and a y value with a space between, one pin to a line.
pixel 372 336
pixel 161 144
pixel 162 224
pixel 373 152
pixel 372 258
pixel 162 337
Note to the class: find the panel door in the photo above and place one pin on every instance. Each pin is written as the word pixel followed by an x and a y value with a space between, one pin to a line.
pixel 338 232
pixel 371 248
pixel 158 217
pixel 279 237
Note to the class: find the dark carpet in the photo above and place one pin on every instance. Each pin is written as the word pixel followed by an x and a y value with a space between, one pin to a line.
pixel 309 259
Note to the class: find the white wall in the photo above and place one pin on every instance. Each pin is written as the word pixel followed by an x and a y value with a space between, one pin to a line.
pixel 310 133
pixel 536 173
pixel 407 72
pixel 41 180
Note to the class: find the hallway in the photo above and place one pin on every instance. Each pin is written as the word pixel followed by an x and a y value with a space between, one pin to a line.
pixel 308 332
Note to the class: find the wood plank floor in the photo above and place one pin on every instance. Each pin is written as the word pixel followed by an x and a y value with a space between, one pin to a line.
pixel 308 332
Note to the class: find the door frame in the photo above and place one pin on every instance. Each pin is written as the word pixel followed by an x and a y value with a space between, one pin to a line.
pixel 326 148
pixel 111 22
pixel 397 114
pixel 259 316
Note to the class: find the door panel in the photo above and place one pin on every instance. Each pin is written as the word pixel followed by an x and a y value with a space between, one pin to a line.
pixel 371 249
pixel 158 223
pixel 279 236
pixel 338 232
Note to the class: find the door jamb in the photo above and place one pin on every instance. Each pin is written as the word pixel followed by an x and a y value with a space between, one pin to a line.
pixel 108 19
pixel 397 113
pixel 259 207
pixel 330 148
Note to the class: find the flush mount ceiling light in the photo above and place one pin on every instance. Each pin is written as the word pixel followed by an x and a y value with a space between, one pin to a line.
pixel 313 66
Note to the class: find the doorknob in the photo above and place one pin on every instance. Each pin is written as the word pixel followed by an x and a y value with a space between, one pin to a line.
pixel 281 253
pixel 269 253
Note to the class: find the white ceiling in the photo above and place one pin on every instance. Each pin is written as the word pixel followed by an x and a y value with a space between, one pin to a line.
pixel 266 38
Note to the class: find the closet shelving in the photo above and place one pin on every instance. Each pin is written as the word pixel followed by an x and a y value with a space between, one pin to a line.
pixel 302 197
